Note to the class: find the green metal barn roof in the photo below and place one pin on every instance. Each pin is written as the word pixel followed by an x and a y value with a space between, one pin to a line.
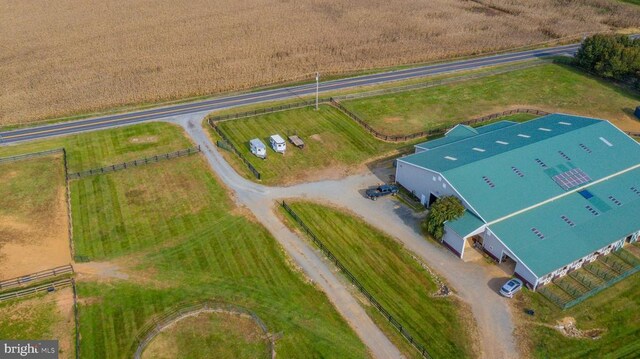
pixel 503 171
pixel 460 132
pixel 574 226
pixel 466 224
pixel 521 180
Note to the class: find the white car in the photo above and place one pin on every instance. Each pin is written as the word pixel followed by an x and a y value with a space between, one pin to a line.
pixel 511 287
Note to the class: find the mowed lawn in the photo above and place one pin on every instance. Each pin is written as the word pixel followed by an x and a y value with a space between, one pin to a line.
pixel 554 88
pixel 177 234
pixel 177 226
pixel 334 144
pixel 126 211
pixel 394 278
pixel 106 147
pixel 227 335
pixel 616 310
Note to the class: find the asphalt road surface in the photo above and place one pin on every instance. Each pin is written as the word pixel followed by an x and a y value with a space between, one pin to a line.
pixel 64 128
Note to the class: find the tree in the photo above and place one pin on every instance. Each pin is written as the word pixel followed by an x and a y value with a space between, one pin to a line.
pixel 611 56
pixel 443 209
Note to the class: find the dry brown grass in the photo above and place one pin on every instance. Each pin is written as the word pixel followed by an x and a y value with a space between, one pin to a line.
pixel 70 56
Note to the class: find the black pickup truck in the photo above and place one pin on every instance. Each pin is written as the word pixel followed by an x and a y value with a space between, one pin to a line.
pixel 385 189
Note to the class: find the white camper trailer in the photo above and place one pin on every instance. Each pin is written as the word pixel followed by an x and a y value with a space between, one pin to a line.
pixel 258 148
pixel 277 143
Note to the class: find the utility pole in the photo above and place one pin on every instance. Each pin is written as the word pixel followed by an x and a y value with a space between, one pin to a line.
pixel 317 88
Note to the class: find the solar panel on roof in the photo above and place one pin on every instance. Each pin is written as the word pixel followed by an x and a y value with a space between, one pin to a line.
pixel 572 178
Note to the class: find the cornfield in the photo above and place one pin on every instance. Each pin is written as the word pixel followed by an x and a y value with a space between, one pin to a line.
pixel 64 57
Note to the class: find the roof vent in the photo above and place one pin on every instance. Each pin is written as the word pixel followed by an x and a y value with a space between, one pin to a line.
pixel 542 164
pixel 606 142
pixel 537 233
pixel 523 136
pixel 593 211
pixel 564 156
pixel 568 221
pixel 564 123
pixel 478 149
pixel 635 190
pixel 488 181
pixel 517 172
pixel 450 158
pixel 584 147
pixel 614 200
pixel 544 129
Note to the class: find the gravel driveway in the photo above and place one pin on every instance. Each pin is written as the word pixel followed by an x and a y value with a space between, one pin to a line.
pixel 469 280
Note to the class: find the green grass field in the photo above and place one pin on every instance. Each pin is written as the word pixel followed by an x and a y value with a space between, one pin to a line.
pixel 100 148
pixel 30 187
pixel 616 310
pixel 126 211
pixel 333 143
pixel 549 87
pixel 43 316
pixel 174 230
pixel 227 335
pixel 198 250
pixel 391 275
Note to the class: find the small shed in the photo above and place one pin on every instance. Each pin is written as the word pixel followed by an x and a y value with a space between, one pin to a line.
pixel 258 148
pixel 296 141
pixel 637 113
pixel 277 143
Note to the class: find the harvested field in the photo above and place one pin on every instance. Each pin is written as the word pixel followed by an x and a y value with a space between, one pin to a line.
pixel 33 216
pixel 77 56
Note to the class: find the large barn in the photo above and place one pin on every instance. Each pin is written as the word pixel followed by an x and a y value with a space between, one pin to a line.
pixel 549 194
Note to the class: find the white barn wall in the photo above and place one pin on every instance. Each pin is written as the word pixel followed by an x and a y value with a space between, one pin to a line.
pixel 453 240
pixel 492 244
pixel 421 181
pixel 526 274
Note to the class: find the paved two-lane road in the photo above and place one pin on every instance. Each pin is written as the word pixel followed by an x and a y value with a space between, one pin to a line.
pixel 31 133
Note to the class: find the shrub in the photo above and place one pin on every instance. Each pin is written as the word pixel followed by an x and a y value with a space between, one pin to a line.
pixel 443 209
pixel 611 56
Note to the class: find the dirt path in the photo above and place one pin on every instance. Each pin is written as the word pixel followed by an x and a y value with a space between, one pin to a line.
pixel 475 283
pixel 260 199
